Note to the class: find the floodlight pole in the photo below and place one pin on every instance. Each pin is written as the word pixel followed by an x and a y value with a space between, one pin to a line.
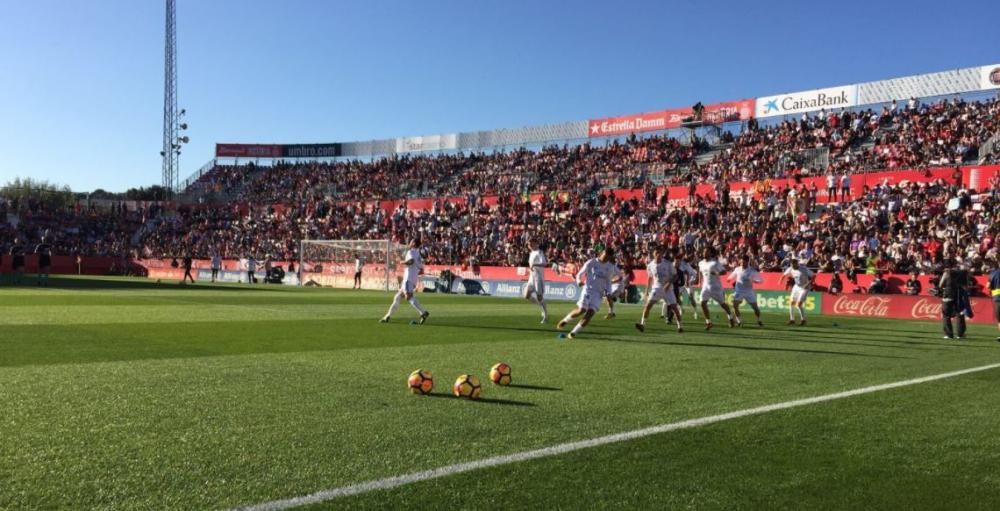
pixel 171 147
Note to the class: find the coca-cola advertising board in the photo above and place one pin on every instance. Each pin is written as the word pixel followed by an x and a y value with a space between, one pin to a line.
pixel 899 307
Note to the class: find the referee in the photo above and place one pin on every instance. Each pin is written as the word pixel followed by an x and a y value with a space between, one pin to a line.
pixel 954 287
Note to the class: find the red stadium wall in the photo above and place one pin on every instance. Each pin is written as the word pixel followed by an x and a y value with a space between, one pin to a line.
pixel 68 265
pixel 773 281
pixel 894 306
pixel 161 269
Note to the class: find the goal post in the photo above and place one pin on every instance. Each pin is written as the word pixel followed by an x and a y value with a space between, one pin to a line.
pixel 331 263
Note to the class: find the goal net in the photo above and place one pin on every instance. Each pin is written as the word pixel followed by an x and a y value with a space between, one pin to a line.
pixel 332 263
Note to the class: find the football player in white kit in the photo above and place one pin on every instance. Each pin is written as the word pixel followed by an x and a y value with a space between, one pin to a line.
pixel 598 272
pixel 534 292
pixel 745 276
pixel 619 288
pixel 414 263
pixel 711 286
pixel 659 286
pixel 803 279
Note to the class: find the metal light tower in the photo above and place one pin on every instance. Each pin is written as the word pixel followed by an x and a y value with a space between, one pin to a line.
pixel 172 125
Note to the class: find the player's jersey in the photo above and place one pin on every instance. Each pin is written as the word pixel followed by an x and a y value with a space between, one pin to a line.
pixel 536 264
pixel 800 276
pixel 711 272
pixel 685 269
pixel 598 276
pixel 662 273
pixel 411 272
pixel 744 278
pixel 358 265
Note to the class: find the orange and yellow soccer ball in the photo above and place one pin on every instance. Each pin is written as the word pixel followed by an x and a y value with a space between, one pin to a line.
pixel 467 386
pixel 420 382
pixel 500 374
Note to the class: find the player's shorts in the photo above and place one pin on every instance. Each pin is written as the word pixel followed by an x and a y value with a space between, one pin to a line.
pixel 713 294
pixel 996 310
pixel 798 293
pixel 408 287
pixel 663 293
pixel 590 300
pixel 537 288
pixel 745 295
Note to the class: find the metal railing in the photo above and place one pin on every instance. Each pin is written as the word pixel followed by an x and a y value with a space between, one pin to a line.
pixel 813 158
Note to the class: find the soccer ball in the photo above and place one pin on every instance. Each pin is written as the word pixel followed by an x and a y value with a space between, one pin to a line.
pixel 420 382
pixel 500 374
pixel 467 386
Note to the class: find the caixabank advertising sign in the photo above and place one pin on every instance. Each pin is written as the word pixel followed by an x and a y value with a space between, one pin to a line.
pixel 792 103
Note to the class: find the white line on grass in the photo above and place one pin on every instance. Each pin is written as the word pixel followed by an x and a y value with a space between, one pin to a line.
pixel 393 482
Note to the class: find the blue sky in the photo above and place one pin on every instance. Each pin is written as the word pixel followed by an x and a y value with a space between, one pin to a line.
pixel 81 83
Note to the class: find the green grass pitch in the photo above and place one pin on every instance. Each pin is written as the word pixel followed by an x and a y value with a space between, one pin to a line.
pixel 128 394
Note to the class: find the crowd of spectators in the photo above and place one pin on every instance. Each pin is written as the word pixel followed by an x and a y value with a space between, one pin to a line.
pixel 616 165
pixel 914 135
pixel 890 229
pixel 75 230
pixel 909 135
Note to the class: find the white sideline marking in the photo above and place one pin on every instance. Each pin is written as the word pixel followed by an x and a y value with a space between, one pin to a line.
pixel 393 482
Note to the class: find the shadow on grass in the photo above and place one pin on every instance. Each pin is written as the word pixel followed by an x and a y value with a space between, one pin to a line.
pixel 532 387
pixel 140 283
pixel 741 347
pixel 928 338
pixel 433 323
pixel 487 400
pixel 932 328
pixel 822 339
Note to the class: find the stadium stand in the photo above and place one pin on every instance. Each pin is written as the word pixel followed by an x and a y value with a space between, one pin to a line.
pixel 565 194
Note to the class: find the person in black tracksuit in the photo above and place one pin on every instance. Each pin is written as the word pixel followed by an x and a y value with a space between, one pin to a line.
pixel 44 252
pixel 954 282
pixel 187 269
pixel 17 254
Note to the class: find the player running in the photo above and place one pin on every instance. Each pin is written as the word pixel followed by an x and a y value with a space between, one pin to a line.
pixel 659 286
pixel 745 276
pixel 414 263
pixel 619 288
pixel 803 279
pixel 598 272
pixel 711 286
pixel 534 292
